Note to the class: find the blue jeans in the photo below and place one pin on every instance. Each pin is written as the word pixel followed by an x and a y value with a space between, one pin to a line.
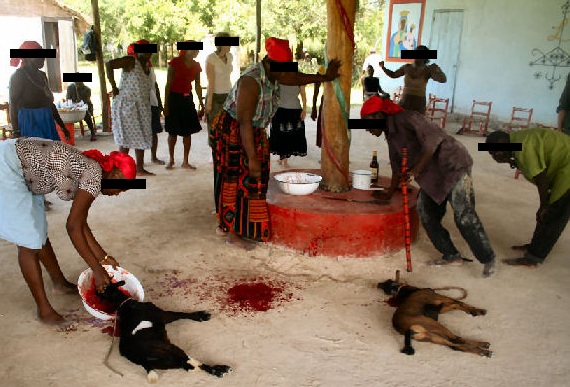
pixel 462 200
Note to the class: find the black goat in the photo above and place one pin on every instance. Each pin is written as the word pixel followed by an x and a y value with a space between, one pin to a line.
pixel 143 338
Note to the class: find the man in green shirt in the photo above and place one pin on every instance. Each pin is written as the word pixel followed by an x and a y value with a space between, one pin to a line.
pixel 545 161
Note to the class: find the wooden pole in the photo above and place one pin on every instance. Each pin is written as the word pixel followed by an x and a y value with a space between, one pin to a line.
pixel 335 136
pixel 101 66
pixel 257 29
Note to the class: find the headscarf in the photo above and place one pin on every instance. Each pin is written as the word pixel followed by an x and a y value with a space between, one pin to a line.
pixel 114 159
pixel 278 50
pixel 27 45
pixel 131 49
pixel 376 104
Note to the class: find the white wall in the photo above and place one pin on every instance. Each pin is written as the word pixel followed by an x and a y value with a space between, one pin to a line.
pixel 29 28
pixel 496 48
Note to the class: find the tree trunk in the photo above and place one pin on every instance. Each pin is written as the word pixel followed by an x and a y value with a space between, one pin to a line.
pixel 101 67
pixel 335 135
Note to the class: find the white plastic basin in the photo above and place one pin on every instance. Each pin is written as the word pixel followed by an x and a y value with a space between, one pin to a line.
pixel 298 183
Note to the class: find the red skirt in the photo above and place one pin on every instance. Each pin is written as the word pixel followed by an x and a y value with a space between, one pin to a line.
pixel 240 200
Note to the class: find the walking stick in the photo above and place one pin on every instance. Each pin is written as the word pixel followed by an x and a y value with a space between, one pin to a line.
pixel 407 231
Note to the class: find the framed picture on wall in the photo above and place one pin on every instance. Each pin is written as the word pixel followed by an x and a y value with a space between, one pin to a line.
pixel 405 27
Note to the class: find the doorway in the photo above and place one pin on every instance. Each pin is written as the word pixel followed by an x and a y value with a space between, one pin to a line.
pixel 446 29
pixel 51 39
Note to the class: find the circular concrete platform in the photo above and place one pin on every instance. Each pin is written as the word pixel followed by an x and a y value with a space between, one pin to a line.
pixel 325 223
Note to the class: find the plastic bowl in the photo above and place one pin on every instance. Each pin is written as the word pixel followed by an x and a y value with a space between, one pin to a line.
pixel 132 285
pixel 298 183
pixel 71 116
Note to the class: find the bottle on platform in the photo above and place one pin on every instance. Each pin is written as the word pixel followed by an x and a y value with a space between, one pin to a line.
pixel 374 167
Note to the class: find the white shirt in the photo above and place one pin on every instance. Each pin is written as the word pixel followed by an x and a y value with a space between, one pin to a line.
pixel 222 72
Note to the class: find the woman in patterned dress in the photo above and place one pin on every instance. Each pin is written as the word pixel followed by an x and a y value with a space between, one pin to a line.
pixel 131 104
pixel 242 148
pixel 31 167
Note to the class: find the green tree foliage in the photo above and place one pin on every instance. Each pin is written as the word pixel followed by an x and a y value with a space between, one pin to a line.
pixel 167 21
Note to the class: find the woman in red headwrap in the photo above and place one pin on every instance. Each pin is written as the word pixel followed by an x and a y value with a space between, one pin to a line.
pixel 30 168
pixel 32 111
pixel 181 118
pixel 131 112
pixel 241 160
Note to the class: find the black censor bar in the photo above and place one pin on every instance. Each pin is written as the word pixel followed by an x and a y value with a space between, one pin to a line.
pixel 284 67
pixel 146 48
pixel 77 77
pixel 226 41
pixel 123 184
pixel 500 147
pixel 418 54
pixel 366 124
pixel 32 53
pixel 188 46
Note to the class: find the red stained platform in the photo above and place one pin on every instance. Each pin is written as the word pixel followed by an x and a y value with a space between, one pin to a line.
pixel 316 225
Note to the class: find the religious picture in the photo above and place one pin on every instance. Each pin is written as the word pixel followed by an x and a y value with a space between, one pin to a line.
pixel 404 29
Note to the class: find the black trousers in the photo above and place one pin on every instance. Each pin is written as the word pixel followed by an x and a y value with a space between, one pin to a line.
pixel 462 200
pixel 549 228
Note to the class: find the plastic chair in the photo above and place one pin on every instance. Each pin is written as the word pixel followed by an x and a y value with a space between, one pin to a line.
pixel 437 109
pixel 480 114
pixel 520 118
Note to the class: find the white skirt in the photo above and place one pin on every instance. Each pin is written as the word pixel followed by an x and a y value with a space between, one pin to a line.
pixel 22 213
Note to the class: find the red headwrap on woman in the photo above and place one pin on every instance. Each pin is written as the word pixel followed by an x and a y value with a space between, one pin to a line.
pixel 27 45
pixel 278 50
pixel 115 159
pixel 131 49
pixel 376 104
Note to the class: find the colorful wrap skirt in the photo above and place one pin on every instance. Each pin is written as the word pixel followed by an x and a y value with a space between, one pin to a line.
pixel 241 200
pixel 37 122
pixel 22 213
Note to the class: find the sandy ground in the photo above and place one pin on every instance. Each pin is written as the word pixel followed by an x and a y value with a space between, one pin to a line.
pixel 332 329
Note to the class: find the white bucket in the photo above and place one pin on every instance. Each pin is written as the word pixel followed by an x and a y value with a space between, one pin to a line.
pixel 361 179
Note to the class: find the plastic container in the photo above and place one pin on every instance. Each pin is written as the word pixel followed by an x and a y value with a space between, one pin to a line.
pixel 361 179
pixel 132 285
pixel 71 116
pixel 298 183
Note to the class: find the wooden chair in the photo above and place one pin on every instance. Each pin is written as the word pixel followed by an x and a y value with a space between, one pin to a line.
pixel 520 118
pixel 480 115
pixel 437 109
pixel 5 126
pixel 397 94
